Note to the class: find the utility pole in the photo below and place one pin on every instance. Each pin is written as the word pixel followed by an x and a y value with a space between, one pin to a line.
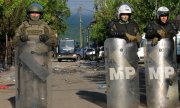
pixel 156 6
pixel 87 40
pixel 80 31
pixel 6 52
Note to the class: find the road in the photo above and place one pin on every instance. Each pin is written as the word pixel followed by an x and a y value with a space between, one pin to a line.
pixel 76 85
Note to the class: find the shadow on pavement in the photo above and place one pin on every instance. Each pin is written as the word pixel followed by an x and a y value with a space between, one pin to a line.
pixel 12 100
pixel 142 86
pixel 98 78
pixel 94 97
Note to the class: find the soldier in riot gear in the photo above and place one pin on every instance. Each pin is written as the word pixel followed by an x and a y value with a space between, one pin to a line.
pixel 162 28
pixel 121 61
pixel 124 27
pixel 33 42
pixel 162 88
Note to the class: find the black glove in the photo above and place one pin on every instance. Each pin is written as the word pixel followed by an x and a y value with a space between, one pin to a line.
pixel 43 38
pixel 24 38
pixel 154 41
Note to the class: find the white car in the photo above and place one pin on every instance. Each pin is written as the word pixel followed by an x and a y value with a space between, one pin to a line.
pixel 90 54
pixel 140 52
pixel 178 47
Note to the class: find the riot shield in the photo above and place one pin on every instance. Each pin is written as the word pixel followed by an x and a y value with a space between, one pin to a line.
pixel 122 78
pixel 161 75
pixel 33 67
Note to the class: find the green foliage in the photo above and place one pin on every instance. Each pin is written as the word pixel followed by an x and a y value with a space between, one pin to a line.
pixel 144 11
pixel 1 2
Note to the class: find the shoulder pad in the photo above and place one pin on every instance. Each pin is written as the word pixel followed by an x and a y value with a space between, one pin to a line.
pixel 25 23
pixel 173 25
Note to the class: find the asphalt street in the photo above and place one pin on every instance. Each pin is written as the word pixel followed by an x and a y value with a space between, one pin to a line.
pixel 75 85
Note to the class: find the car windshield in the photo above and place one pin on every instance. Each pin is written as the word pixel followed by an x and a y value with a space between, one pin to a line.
pixel 67 46
pixel 67 43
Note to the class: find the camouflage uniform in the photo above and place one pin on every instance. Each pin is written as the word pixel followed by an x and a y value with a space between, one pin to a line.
pixel 34 40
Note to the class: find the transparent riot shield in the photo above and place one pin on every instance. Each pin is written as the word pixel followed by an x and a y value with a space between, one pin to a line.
pixel 122 78
pixel 33 67
pixel 161 75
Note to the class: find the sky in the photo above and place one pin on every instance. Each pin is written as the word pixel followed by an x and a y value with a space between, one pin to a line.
pixel 87 6
pixel 73 20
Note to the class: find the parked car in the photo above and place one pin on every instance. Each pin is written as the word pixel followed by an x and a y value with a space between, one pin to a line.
pixel 178 47
pixel 140 52
pixel 80 52
pixel 66 50
pixel 90 54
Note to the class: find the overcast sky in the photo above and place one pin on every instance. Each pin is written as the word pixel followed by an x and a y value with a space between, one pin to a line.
pixel 73 20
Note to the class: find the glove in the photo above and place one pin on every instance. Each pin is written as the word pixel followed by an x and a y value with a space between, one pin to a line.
pixel 43 38
pixel 162 33
pixel 154 41
pixel 131 37
pixel 24 38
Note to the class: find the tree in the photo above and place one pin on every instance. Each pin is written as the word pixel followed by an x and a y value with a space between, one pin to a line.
pixel 13 12
pixel 144 11
pixel 105 12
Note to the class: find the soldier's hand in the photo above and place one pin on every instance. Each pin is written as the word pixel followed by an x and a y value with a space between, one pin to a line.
pixel 154 41
pixel 162 33
pixel 130 37
pixel 24 38
pixel 43 38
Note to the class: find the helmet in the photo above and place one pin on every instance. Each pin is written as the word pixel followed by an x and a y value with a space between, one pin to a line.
pixel 35 7
pixel 124 9
pixel 162 11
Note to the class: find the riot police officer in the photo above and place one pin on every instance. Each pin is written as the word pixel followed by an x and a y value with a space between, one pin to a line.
pixel 121 61
pixel 33 42
pixel 35 15
pixel 162 28
pixel 160 62
pixel 124 27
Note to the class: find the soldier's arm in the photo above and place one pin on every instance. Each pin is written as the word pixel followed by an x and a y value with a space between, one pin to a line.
pixel 18 33
pixel 173 31
pixel 150 31
pixel 52 37
pixel 112 30
pixel 137 36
